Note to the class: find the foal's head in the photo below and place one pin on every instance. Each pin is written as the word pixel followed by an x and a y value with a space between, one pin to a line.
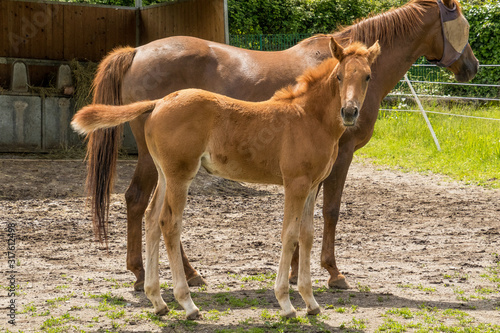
pixel 353 75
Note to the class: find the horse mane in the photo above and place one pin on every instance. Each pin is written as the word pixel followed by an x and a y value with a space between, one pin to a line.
pixel 315 74
pixel 384 27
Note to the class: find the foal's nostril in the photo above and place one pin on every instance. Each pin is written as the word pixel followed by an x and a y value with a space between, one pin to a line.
pixel 342 112
pixel 356 112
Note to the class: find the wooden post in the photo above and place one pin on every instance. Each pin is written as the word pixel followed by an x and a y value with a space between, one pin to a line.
pixel 138 5
pixel 226 23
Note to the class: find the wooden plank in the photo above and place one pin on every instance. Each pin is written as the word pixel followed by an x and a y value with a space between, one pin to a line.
pixel 18 40
pixel 4 31
pixel 144 26
pixel 67 31
pixel 57 31
pixel 83 33
pixel 90 40
pixel 111 24
pixel 34 14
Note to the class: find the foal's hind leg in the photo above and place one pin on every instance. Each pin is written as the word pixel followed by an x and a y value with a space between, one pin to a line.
pixel 153 232
pixel 137 197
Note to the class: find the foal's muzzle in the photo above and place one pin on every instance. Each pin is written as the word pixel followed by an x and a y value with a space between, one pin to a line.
pixel 349 114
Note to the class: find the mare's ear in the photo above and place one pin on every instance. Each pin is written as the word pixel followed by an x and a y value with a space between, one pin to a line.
pixel 374 52
pixel 449 3
pixel 336 49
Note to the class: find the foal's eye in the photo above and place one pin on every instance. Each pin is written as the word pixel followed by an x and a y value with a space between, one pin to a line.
pixel 368 78
pixel 338 78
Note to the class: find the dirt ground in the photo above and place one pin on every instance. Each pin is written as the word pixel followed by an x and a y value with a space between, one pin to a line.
pixel 404 241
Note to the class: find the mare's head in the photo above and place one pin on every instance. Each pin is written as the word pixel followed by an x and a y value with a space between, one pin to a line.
pixel 447 44
pixel 353 73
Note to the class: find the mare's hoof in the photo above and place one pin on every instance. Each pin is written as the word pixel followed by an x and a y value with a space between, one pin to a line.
pixel 196 281
pixel 292 279
pixel 163 311
pixel 139 286
pixel 193 315
pixel 314 312
pixel 338 283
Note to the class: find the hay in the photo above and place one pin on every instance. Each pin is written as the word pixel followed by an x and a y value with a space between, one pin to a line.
pixel 83 74
pixel 44 91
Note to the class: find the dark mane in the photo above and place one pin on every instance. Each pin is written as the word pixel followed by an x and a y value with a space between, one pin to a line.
pixel 402 21
pixel 315 74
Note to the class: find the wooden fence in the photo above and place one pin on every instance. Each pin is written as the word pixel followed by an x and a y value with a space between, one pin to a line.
pixel 38 29
pixel 203 19
pixel 44 34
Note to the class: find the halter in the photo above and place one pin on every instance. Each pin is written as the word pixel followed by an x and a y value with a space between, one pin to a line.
pixel 455 30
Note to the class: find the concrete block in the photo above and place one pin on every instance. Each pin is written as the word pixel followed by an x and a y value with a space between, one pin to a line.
pixel 128 143
pixel 64 78
pixel 56 132
pixel 20 123
pixel 20 77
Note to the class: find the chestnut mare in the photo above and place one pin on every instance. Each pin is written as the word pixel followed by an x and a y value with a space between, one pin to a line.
pixel 161 67
pixel 192 128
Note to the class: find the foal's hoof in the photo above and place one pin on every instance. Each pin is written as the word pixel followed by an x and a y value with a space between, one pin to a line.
pixel 139 286
pixel 163 311
pixel 196 281
pixel 313 312
pixel 292 279
pixel 195 314
pixel 338 283
pixel 291 314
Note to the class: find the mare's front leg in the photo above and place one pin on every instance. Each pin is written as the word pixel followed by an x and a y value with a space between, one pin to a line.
pixel 296 192
pixel 332 194
pixel 333 187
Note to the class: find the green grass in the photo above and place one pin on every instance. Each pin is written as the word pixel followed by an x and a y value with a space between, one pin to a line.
pixel 417 287
pixel 433 320
pixel 228 299
pixel 470 147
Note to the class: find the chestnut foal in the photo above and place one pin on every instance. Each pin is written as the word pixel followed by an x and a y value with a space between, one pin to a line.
pixel 192 128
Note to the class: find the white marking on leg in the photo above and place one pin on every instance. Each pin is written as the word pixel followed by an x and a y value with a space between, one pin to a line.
pixel 153 232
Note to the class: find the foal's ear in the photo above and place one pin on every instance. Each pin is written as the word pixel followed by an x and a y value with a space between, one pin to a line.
pixel 374 52
pixel 336 49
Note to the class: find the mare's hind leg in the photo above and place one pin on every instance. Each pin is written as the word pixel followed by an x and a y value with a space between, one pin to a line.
pixel 171 226
pixel 137 196
pixel 306 242
pixel 153 232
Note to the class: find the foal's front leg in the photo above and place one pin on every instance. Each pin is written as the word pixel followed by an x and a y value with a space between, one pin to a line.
pixel 296 193
pixel 306 242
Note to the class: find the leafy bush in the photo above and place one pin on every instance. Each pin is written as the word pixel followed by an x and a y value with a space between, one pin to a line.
pixel 484 38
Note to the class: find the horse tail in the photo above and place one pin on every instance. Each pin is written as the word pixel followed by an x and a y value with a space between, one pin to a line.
pixel 102 146
pixel 99 116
